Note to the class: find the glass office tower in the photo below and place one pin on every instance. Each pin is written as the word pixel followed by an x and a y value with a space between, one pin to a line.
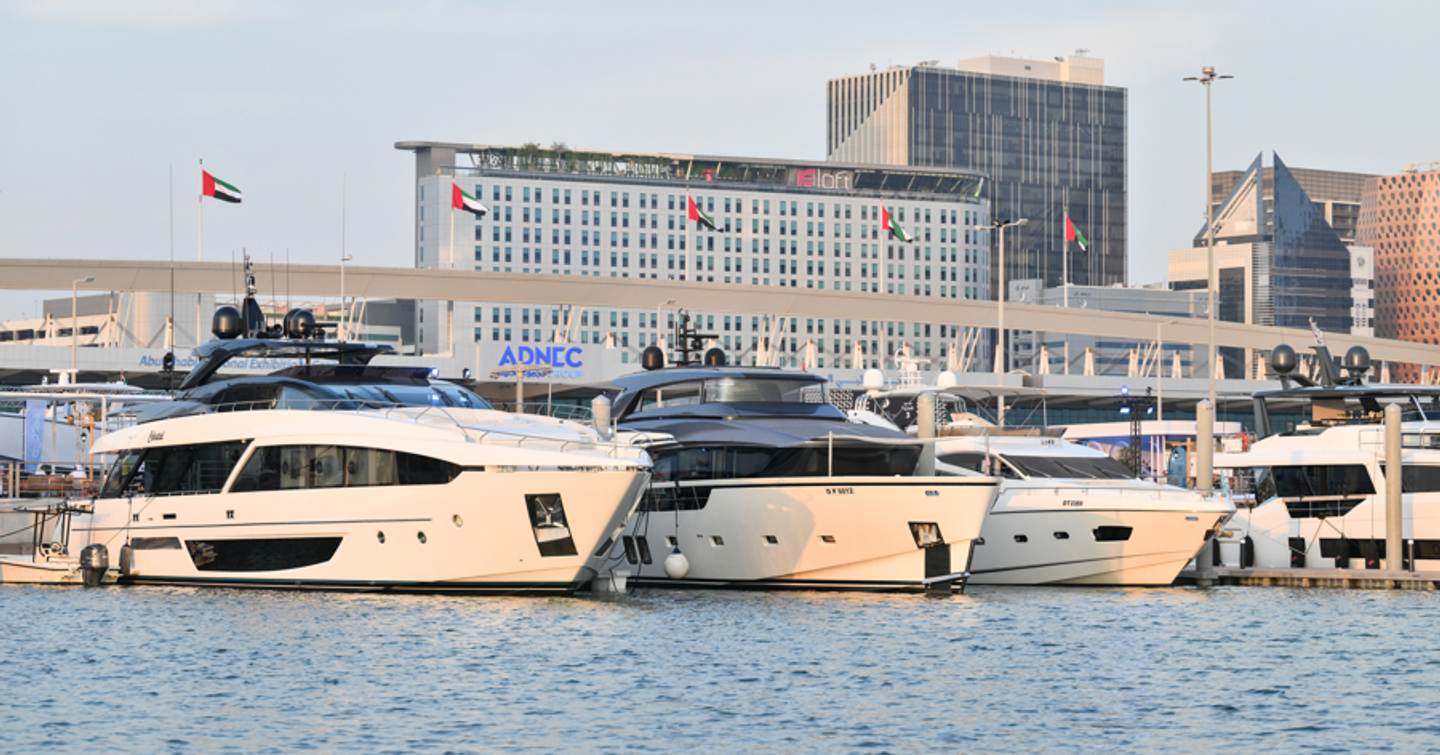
pixel 1049 136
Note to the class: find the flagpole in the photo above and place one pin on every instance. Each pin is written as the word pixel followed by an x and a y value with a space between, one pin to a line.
pixel 199 243
pixel 450 304
pixel 1065 277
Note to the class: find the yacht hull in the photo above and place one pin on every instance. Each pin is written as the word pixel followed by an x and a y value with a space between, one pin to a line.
pixel 1028 540
pixel 23 570
pixel 473 535
pixel 807 533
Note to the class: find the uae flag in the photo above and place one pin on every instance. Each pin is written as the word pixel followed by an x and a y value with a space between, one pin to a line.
pixel 893 228
pixel 213 187
pixel 459 200
pixel 698 215
pixel 1073 234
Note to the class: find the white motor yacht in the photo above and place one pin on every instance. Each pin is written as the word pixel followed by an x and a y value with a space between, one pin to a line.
pixel 1066 514
pixel 336 474
pixel 761 483
pixel 1311 491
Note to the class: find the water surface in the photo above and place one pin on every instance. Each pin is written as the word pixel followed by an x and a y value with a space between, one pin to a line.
pixel 999 669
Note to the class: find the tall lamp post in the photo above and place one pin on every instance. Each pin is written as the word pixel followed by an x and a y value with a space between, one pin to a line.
pixel 1001 225
pixel 75 324
pixel 1206 78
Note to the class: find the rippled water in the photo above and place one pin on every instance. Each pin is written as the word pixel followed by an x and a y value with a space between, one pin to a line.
pixel 152 669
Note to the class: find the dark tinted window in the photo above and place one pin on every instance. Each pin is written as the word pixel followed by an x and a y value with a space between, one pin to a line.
pixel 971 461
pixel 1337 479
pixel 1418 479
pixel 306 467
pixel 175 470
pixel 120 473
pixel 1096 468
pixel 732 462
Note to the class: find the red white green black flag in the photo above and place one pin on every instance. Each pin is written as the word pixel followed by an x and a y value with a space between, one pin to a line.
pixel 698 215
pixel 459 200
pixel 210 186
pixel 1073 234
pixel 893 228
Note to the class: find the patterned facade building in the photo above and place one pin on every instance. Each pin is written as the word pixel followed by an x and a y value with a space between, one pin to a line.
pixel 1400 219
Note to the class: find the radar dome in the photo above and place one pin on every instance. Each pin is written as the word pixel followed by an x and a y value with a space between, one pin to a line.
pixel 226 323
pixel 1283 359
pixel 1357 360
pixel 299 323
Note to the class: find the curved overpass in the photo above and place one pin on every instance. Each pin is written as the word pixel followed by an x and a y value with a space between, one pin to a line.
pixel 632 293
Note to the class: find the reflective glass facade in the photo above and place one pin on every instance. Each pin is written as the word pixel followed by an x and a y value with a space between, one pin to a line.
pixel 1044 145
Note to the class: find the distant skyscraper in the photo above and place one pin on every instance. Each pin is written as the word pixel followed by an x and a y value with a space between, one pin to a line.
pixel 1400 218
pixel 1278 261
pixel 1336 194
pixel 1049 135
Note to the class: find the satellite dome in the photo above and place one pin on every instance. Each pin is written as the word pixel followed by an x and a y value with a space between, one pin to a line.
pixel 1283 359
pixel 226 323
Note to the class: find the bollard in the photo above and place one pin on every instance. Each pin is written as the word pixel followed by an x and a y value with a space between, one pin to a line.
pixel 1394 502
pixel 1204 447
pixel 600 415
pixel 925 431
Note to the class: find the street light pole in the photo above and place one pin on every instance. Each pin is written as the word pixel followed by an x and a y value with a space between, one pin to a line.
pixel 1206 78
pixel 1001 225
pixel 75 325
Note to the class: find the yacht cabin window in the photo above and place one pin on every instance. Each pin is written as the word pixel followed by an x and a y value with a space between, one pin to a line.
pixel 174 470
pixel 306 467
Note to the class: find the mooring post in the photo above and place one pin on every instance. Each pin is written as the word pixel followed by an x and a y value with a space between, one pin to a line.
pixel 1204 446
pixel 925 431
pixel 1394 473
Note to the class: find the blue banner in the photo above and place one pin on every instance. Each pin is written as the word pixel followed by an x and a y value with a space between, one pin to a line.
pixel 34 438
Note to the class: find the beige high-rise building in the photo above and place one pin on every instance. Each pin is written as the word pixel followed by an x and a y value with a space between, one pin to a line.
pixel 1400 218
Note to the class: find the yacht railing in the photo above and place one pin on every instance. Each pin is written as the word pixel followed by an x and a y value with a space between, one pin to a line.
pixel 442 415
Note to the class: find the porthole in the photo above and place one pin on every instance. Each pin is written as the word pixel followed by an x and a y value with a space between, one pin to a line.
pixel 421 537
pixel 457 520
pixel 1021 539
pixel 380 536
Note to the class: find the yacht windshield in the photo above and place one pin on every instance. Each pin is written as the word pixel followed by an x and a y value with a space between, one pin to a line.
pixel 1096 468
pixel 435 394
pixel 736 390
pixel 733 390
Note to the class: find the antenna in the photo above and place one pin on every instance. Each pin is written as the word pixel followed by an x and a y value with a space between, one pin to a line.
pixel 170 335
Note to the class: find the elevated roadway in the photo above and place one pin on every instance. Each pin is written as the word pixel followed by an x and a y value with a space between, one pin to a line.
pixel 633 293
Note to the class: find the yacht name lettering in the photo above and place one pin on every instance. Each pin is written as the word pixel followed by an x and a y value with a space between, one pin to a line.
pixel 839 491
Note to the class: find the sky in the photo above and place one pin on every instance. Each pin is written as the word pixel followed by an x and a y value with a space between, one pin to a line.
pixel 102 100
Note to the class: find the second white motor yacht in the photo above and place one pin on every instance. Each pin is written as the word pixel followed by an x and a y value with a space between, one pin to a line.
pixel 1066 514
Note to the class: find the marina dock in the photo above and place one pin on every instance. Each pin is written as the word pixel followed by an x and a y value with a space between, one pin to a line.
pixel 1354 579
